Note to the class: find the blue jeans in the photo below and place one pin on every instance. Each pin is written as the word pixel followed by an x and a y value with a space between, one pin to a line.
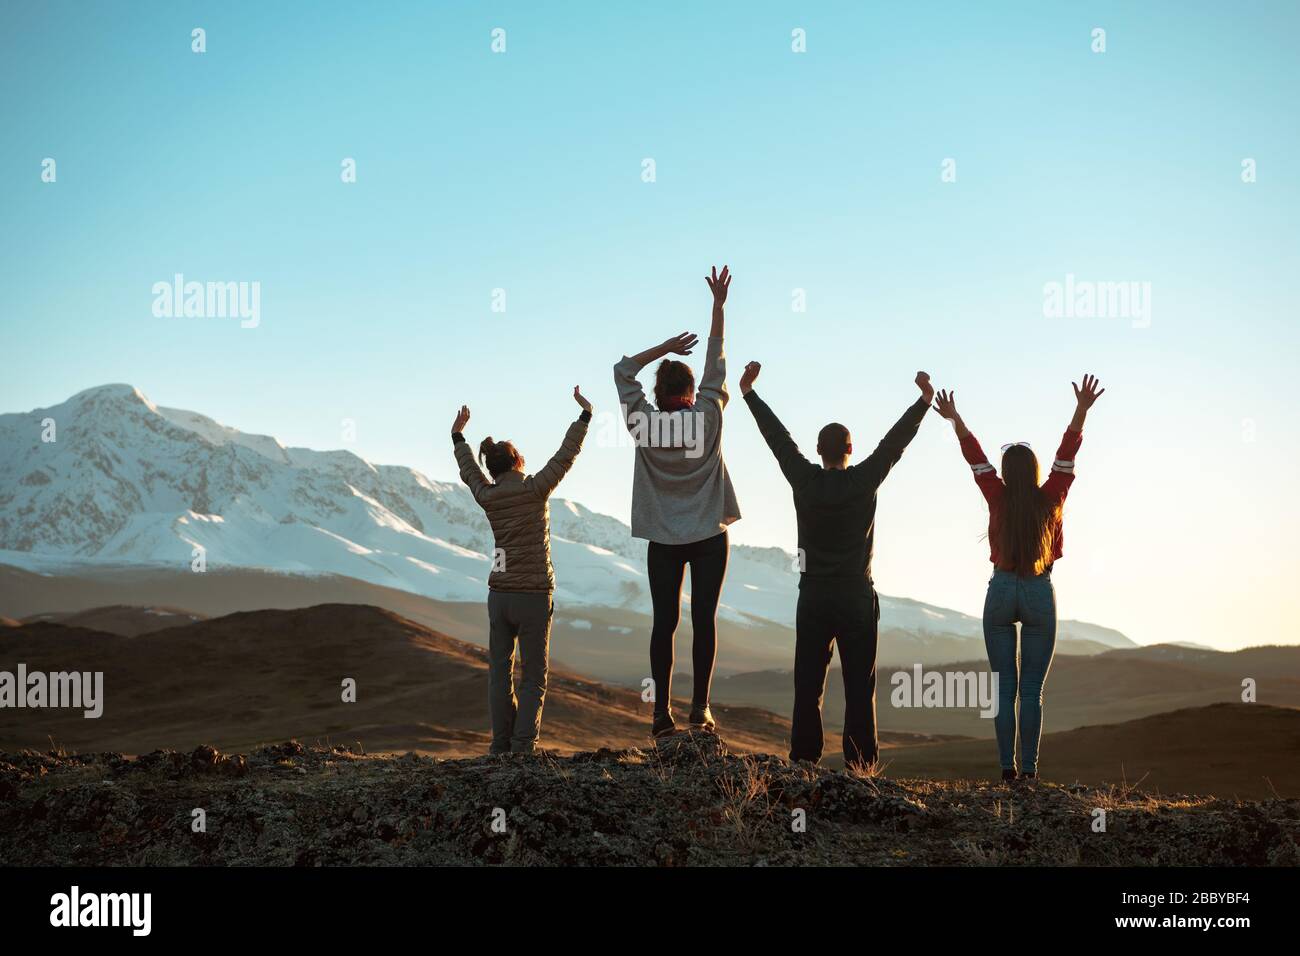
pixel 1032 602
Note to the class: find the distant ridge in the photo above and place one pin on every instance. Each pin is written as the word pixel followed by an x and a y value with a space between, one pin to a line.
pixel 128 482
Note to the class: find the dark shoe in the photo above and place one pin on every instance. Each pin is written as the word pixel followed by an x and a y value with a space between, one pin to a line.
pixel 702 718
pixel 663 725
pixel 1008 776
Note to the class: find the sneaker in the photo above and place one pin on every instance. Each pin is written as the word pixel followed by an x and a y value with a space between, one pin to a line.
pixel 663 725
pixel 1028 779
pixel 702 718
pixel 1008 776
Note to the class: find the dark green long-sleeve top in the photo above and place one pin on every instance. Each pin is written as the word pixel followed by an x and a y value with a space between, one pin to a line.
pixel 836 509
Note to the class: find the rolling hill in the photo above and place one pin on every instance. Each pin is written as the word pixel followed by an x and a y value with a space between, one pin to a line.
pixel 1113 687
pixel 1234 751
pixel 242 680
pixel 610 646
pixel 248 678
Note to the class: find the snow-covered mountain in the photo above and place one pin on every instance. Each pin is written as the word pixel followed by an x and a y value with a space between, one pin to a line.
pixel 125 481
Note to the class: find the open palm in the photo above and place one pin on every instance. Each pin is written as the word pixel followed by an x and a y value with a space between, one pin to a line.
pixel 680 344
pixel 1089 393
pixel 719 284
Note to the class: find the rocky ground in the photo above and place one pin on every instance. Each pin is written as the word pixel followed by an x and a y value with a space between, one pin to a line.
pixel 686 802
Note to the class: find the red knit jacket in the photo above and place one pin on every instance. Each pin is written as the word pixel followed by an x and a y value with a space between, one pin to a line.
pixel 1055 487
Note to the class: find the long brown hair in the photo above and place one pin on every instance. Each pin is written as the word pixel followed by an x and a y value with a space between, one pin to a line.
pixel 1028 520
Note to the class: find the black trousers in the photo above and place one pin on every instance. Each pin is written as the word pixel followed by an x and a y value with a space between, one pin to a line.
pixel 847 615
pixel 666 566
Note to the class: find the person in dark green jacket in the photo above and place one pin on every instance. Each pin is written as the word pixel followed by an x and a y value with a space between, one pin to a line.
pixel 835 505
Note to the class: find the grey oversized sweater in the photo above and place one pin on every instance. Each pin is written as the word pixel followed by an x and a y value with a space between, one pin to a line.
pixel 681 491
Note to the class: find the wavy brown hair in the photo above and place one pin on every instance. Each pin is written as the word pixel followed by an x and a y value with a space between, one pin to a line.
pixel 673 379
pixel 1028 519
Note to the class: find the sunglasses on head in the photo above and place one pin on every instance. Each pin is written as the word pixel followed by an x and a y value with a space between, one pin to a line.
pixel 1015 444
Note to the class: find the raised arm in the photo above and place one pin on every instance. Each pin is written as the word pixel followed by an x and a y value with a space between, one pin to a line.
pixel 794 465
pixel 718 285
pixel 546 480
pixel 631 397
pixel 876 466
pixel 986 475
pixel 713 383
pixel 677 345
pixel 946 405
pixel 1058 482
pixel 1083 400
pixel 470 472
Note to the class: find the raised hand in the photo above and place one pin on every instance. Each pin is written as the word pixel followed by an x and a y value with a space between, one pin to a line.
pixel 680 344
pixel 945 403
pixel 462 419
pixel 577 397
pixel 923 383
pixel 748 376
pixel 1088 394
pixel 719 285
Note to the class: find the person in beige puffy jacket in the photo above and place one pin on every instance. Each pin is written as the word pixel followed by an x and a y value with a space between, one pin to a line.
pixel 521 581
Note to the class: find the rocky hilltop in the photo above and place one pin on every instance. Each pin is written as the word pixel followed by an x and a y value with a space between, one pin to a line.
pixel 688 801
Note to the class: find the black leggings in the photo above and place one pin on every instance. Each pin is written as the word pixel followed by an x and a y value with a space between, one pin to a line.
pixel 666 565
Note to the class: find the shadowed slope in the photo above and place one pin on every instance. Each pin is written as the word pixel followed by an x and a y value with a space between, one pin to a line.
pixel 247 678
pixel 1243 750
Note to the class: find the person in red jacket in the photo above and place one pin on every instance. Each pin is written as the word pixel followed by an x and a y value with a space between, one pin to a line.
pixel 1025 540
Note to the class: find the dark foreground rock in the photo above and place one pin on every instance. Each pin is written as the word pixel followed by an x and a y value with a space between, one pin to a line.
pixel 686 802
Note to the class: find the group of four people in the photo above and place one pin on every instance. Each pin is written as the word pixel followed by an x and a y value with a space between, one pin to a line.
pixel 682 503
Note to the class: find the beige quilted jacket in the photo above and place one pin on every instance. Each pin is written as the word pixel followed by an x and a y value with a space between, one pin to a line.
pixel 518 510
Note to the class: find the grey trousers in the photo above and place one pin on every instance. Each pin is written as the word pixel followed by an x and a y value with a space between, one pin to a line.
pixel 523 616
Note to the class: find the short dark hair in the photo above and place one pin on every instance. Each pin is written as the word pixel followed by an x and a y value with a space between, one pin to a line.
pixel 833 441
pixel 673 379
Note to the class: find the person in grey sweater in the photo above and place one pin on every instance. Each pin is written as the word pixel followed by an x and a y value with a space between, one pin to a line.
pixel 682 499
pixel 521 581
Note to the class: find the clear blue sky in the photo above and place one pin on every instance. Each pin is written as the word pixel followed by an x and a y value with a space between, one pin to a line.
pixel 818 171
